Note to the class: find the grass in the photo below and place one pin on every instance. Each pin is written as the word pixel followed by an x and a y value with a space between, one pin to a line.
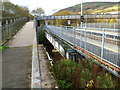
pixel 3 48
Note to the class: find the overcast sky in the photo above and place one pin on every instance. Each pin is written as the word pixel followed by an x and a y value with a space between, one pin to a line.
pixel 50 5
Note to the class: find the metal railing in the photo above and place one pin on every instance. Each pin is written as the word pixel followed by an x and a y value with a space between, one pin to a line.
pixel 109 26
pixel 10 26
pixel 110 21
pixel 100 16
pixel 97 45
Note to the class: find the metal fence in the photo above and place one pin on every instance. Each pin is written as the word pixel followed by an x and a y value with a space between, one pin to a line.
pixel 110 21
pixel 110 26
pixel 100 16
pixel 96 45
pixel 10 26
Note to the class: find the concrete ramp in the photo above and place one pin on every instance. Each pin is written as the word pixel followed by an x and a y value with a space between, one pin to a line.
pixel 17 60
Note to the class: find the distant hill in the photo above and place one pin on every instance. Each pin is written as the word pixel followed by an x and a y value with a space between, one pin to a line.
pixel 92 8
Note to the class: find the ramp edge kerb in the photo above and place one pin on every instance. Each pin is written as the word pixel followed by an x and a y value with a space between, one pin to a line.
pixel 35 74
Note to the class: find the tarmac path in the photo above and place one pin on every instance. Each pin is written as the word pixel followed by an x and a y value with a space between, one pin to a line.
pixel 16 61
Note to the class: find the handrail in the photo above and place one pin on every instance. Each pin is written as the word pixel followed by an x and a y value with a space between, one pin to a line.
pixel 99 16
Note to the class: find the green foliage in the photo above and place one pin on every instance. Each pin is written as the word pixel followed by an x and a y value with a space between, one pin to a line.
pixel 11 10
pixel 64 68
pixel 106 81
pixel 3 48
pixel 63 72
pixel 85 77
pixel 41 35
pixel 85 73
pixel 64 84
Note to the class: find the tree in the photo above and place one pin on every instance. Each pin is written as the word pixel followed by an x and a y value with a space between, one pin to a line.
pixel 11 10
pixel 38 12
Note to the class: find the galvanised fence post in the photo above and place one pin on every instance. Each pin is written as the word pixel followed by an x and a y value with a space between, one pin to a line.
pixel 102 46
pixel 74 36
pixel 85 38
pixel 0 32
pixel 80 38
pixel 60 31
pixel 14 19
pixel 10 26
pixel 7 26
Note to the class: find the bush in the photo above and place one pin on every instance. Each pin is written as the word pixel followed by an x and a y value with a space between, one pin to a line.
pixel 64 69
pixel 84 74
pixel 64 84
pixel 41 35
pixel 105 81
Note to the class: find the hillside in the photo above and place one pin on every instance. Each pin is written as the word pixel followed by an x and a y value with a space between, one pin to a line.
pixel 93 8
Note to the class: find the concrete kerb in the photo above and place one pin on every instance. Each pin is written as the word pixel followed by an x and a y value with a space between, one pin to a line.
pixel 36 76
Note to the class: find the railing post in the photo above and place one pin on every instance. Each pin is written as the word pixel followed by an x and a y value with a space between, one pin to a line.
pixel 81 38
pixel 67 32
pixel 14 20
pixel 10 23
pixel 52 22
pixel 114 26
pixel 102 46
pixel 0 22
pixel 7 30
pixel 85 39
pixel 0 32
pixel 61 31
pixel 6 21
pixel 74 36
